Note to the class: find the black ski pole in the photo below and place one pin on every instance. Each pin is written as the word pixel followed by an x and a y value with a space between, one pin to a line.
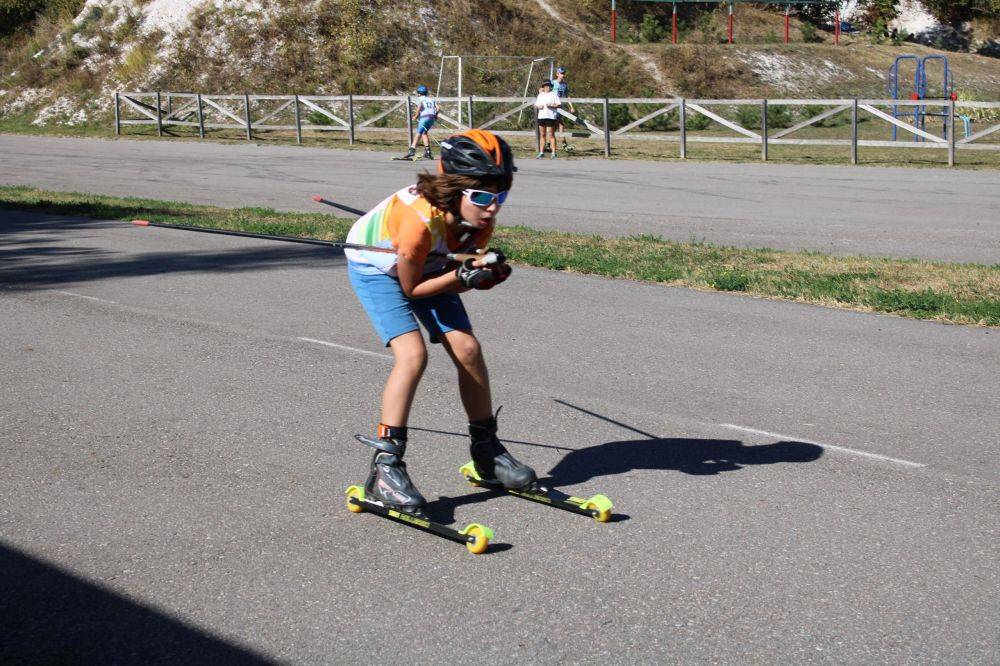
pixel 347 209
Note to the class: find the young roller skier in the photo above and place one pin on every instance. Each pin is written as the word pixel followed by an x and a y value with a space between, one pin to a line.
pixel 425 114
pixel 453 210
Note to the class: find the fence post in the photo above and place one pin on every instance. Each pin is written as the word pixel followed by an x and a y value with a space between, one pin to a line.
pixel 170 105
pixel 472 122
pixel 409 119
pixel 763 130
pixel 118 118
pixel 201 119
pixel 854 132
pixel 298 122
pixel 159 116
pixel 246 108
pixel 350 119
pixel 684 129
pixel 951 133
pixel 607 131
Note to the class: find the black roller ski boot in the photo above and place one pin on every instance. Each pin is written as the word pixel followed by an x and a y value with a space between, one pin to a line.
pixel 492 466
pixel 427 154
pixel 493 463
pixel 389 492
pixel 388 482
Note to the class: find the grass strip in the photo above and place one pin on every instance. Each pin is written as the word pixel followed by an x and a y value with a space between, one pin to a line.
pixel 947 292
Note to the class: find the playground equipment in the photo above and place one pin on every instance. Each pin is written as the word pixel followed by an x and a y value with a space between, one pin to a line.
pixel 921 90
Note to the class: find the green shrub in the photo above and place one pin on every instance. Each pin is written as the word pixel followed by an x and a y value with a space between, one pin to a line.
pixel 650 29
pixel 809 35
pixel 19 14
pixel 771 37
pixel 317 118
pixel 748 116
pixel 779 117
pixel 698 122
pixel 618 116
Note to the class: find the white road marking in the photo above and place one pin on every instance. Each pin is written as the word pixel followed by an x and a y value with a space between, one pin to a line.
pixel 334 345
pixel 346 348
pixel 89 298
pixel 856 452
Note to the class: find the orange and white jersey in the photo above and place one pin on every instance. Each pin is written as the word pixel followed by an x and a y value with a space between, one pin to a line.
pixel 409 224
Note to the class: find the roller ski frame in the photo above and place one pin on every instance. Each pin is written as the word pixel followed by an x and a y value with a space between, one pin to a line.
pixel 597 507
pixel 476 537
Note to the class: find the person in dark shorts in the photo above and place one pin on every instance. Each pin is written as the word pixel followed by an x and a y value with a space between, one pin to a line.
pixel 546 104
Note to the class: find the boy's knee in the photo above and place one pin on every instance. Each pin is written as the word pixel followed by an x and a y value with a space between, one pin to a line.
pixel 412 357
pixel 468 352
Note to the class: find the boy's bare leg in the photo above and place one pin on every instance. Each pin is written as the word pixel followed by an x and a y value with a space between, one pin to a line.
pixel 411 359
pixel 492 461
pixel 473 377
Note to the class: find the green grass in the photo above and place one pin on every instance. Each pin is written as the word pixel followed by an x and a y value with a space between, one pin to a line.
pixel 956 293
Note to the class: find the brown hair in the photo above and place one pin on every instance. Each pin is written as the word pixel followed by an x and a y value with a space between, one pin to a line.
pixel 444 190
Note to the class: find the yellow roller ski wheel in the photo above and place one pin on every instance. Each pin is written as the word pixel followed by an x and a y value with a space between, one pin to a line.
pixel 601 505
pixel 358 493
pixel 481 536
pixel 468 470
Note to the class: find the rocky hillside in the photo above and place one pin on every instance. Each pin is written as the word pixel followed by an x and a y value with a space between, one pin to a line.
pixel 63 70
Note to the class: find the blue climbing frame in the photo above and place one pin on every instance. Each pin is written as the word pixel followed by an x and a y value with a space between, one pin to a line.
pixel 920 91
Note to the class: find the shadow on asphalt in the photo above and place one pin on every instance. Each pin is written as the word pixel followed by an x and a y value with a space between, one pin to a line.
pixel 48 615
pixel 698 457
pixel 43 259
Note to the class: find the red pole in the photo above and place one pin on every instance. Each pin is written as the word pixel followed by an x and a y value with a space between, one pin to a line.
pixel 788 20
pixel 673 38
pixel 836 29
pixel 730 23
pixel 614 22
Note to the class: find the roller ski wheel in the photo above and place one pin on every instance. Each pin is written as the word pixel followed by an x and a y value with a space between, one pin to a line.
pixel 597 507
pixel 476 537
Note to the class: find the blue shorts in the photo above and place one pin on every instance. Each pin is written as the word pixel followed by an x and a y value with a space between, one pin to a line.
pixel 425 124
pixel 392 313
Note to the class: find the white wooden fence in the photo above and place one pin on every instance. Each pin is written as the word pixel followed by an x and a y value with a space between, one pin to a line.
pixel 355 114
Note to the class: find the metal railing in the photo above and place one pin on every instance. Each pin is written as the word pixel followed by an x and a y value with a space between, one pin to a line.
pixel 357 114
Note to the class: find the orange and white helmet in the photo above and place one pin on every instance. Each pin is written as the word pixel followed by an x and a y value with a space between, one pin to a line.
pixel 476 153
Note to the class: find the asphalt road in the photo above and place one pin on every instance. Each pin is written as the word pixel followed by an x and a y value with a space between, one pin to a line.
pixel 927 213
pixel 793 483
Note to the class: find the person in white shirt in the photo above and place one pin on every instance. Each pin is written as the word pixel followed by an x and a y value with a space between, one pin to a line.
pixel 546 103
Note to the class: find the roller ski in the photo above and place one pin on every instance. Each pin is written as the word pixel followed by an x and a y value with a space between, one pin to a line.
pixel 492 466
pixel 389 492
pixel 410 156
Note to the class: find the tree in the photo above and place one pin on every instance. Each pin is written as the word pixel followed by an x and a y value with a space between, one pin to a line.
pixel 818 14
pixel 877 12
pixel 956 11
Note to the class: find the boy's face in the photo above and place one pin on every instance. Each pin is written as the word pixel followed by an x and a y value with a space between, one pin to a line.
pixel 545 89
pixel 480 217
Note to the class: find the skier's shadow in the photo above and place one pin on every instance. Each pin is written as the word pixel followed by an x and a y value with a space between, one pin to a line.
pixel 697 457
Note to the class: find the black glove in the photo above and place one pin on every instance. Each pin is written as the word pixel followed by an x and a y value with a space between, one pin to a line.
pixel 501 271
pixel 476 277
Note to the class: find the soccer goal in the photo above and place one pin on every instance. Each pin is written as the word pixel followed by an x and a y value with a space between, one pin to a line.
pixel 490 76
